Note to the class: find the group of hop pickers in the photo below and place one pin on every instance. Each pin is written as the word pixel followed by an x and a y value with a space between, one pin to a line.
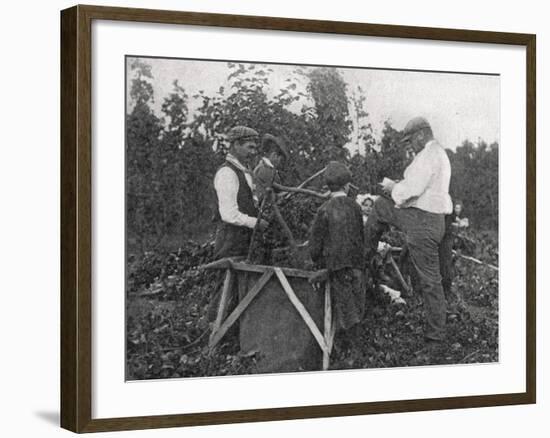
pixel 419 205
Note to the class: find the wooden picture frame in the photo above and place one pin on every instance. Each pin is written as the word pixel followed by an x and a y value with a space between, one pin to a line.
pixel 76 217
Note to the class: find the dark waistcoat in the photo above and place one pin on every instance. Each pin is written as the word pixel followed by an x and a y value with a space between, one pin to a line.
pixel 233 240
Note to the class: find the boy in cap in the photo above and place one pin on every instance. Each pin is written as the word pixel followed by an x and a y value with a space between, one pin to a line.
pixel 267 178
pixel 266 173
pixel 336 243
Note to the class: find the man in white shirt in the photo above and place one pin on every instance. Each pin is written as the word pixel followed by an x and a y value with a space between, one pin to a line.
pixel 237 210
pixel 417 205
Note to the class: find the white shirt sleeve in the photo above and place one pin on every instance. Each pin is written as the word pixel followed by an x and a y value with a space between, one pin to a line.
pixel 417 178
pixel 226 183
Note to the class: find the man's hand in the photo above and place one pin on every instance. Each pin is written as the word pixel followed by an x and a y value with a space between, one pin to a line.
pixel 387 185
pixel 262 225
pixel 383 249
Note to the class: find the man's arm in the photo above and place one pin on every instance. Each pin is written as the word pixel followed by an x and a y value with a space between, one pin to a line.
pixel 418 175
pixel 226 184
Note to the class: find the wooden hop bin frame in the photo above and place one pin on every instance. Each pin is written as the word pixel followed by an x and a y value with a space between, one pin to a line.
pixel 223 324
pixel 76 221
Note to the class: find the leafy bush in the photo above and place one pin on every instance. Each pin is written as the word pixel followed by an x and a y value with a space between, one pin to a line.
pixel 171 305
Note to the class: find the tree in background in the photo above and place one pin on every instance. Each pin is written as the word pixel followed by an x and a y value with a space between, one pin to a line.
pixel 189 166
pixel 474 174
pixel 143 132
pixel 315 134
pixel 168 170
pixel 388 159
pixel 474 181
pixel 330 129
pixel 171 160
pixel 392 160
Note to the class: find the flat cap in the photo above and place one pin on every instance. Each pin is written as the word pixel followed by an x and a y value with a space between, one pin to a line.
pixel 242 133
pixel 337 174
pixel 278 141
pixel 414 125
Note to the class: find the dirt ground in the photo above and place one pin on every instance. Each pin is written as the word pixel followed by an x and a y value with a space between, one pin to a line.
pixel 168 307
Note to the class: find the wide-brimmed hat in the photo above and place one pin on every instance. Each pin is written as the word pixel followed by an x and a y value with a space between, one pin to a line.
pixel 278 141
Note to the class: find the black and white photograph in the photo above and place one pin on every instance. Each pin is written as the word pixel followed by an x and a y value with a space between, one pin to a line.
pixel 275 219
pixel 285 218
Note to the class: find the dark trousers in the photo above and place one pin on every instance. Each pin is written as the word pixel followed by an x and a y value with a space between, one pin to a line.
pixel 423 233
pixel 446 264
pixel 231 241
pixel 348 297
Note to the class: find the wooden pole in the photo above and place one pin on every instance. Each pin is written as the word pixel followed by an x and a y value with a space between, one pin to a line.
pixel 312 177
pixel 301 309
pixel 224 299
pixel 404 284
pixel 472 259
pixel 217 264
pixel 286 229
pixel 291 190
pixel 255 230
pixel 307 181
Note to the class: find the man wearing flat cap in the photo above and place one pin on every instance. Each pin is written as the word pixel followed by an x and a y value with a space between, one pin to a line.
pixel 417 205
pixel 266 173
pixel 237 210
pixel 336 243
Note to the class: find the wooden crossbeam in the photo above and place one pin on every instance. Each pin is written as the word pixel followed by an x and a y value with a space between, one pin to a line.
pixel 226 325
pixel 301 310
pixel 224 263
pixel 217 264
pixel 292 272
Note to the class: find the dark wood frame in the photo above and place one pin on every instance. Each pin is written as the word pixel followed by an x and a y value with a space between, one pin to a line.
pixel 76 225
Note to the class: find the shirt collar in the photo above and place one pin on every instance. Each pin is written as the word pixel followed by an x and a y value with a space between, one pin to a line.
pixel 421 151
pixel 233 160
pixel 429 143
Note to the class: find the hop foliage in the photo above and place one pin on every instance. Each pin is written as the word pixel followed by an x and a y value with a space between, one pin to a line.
pixel 170 300
pixel 474 180
pixel 171 160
